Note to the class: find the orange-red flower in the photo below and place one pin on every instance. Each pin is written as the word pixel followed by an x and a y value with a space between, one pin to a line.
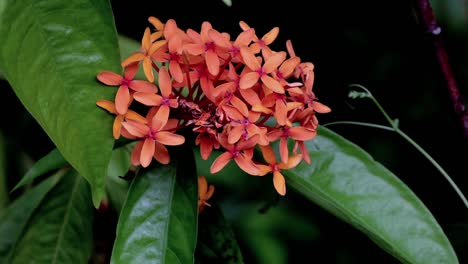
pixel 144 55
pixel 117 126
pixel 276 167
pixel 153 137
pixel 205 192
pixel 126 82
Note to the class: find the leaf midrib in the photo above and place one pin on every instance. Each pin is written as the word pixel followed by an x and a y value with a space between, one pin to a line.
pixel 65 219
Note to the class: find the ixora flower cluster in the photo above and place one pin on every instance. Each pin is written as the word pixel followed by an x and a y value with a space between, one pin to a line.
pixel 234 94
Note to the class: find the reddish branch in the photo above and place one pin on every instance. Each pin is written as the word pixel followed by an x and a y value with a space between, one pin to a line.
pixel 429 20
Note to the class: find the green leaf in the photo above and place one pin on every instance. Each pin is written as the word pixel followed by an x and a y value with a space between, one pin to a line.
pixel 51 52
pixel 14 219
pixel 216 241
pixel 52 161
pixel 347 182
pixel 117 187
pixel 60 231
pixel 158 222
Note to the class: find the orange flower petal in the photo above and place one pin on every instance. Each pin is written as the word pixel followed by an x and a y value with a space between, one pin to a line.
pixel 165 83
pixel 212 62
pixel 240 106
pixel 292 162
pixel 235 134
pixel 135 57
pixel 147 152
pixel 163 113
pixel 161 154
pixel 220 162
pixel 233 113
pixel 108 105
pixel 122 99
pixel 320 108
pixel 130 71
pixel 136 128
pixel 176 71
pixel 248 80
pixel 156 22
pixel 283 149
pixel 135 156
pixel 301 133
pixel 149 99
pixel 274 61
pixel 249 59
pixel 169 138
pixel 143 86
pixel 117 126
pixel 268 154
pixel 135 116
pixel 280 113
pixel 202 186
pixel 288 66
pixel 148 69
pixel 110 78
pixel 155 46
pixel 272 84
pixel 269 37
pixel 247 165
pixel 279 182
pixel 146 40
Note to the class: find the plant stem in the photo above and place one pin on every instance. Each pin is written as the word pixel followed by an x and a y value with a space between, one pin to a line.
pixel 431 26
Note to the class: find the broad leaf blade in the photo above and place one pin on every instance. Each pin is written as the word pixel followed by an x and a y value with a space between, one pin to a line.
pixel 14 219
pixel 51 52
pixel 158 223
pixel 347 182
pixel 52 161
pixel 216 241
pixel 61 228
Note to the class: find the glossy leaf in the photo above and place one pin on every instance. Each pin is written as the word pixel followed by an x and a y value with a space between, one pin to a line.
pixel 52 161
pixel 158 222
pixel 15 218
pixel 216 241
pixel 51 52
pixel 60 230
pixel 347 182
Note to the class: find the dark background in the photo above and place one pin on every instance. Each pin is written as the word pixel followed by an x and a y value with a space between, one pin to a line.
pixel 378 44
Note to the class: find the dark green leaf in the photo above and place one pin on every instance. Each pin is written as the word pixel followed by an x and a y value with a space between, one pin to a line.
pixel 60 230
pixel 216 241
pixel 347 182
pixel 52 161
pixel 14 219
pixel 51 52
pixel 116 186
pixel 158 222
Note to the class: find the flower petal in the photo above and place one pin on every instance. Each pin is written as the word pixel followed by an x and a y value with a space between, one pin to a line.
pixel 143 86
pixel 149 99
pixel 117 126
pixel 248 80
pixel 131 70
pixel 135 156
pixel 169 138
pixel 274 61
pixel 161 154
pixel 122 99
pixel 279 183
pixel 108 105
pixel 301 133
pixel 148 69
pixel 247 165
pixel 272 84
pixel 135 57
pixel 268 154
pixel 249 59
pixel 110 78
pixel 212 62
pixel 165 83
pixel 147 152
pixel 136 128
pixel 220 162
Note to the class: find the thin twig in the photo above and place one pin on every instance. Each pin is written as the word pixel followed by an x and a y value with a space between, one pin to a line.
pixel 429 21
